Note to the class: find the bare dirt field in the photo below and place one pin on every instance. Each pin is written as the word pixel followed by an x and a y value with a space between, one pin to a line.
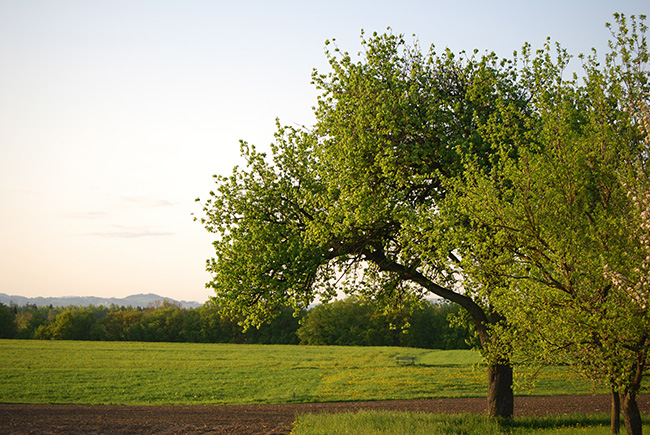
pixel 253 419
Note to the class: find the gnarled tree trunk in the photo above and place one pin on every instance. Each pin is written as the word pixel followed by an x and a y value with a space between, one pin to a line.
pixel 500 395
pixel 631 414
pixel 615 426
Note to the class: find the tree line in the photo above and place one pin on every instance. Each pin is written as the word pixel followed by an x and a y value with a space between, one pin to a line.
pixel 349 322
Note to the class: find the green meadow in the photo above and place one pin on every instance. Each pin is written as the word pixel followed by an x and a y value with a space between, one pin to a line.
pixel 132 373
pixel 412 423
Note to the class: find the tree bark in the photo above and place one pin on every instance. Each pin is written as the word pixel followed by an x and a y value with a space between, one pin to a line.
pixel 616 412
pixel 500 395
pixel 631 414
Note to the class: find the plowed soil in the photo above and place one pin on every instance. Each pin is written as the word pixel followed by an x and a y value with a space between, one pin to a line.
pixel 253 419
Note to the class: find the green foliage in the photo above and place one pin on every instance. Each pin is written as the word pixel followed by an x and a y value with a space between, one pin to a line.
pixel 439 325
pixel 352 322
pixel 136 373
pixel 8 328
pixel 123 325
pixel 164 322
pixel 30 318
pixel 73 324
pixel 347 322
pixel 260 215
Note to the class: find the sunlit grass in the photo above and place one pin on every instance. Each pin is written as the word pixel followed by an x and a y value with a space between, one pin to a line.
pixel 413 423
pixel 128 373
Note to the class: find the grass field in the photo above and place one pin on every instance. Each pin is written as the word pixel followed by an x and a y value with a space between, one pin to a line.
pixel 128 373
pixel 386 422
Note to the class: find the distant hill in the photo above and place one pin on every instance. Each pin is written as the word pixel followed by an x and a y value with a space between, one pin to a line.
pixel 141 300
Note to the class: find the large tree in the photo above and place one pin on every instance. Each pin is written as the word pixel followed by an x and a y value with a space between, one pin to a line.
pixel 357 195
pixel 561 227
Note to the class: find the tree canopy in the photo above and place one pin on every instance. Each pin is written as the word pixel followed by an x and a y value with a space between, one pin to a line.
pixel 355 193
pixel 354 200
pixel 480 180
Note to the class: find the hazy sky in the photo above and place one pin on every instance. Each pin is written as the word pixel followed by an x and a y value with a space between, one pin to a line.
pixel 115 114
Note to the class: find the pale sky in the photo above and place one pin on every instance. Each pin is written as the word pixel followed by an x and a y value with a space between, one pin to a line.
pixel 115 114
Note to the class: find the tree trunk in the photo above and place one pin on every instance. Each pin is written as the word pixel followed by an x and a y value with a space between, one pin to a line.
pixel 616 412
pixel 631 414
pixel 501 400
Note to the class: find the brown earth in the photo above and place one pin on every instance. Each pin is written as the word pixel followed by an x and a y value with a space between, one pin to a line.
pixel 253 419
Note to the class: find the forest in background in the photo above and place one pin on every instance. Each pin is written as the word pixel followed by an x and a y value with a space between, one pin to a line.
pixel 349 322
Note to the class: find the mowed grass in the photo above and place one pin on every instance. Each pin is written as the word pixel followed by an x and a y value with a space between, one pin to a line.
pixel 394 423
pixel 128 373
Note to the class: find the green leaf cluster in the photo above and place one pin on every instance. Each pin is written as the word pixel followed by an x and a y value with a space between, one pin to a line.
pixel 353 322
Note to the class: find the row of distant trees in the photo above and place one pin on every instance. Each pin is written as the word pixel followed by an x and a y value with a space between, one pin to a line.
pixel 344 322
